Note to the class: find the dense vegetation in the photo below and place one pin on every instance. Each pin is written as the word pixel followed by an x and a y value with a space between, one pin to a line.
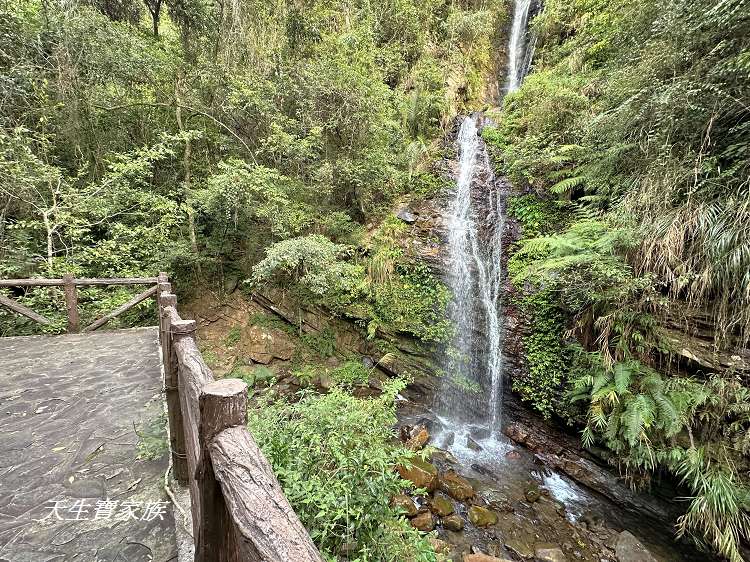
pixel 632 141
pixel 264 143
pixel 193 137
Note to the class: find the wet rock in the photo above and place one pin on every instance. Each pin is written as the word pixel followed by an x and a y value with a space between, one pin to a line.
pixel 520 548
pixel 590 520
pixel 549 553
pixel 418 438
pixel 482 558
pixel 481 516
pixel 532 494
pixel 442 506
pixel 630 549
pixel 420 473
pixel 405 504
pixel 453 523
pixel 406 216
pixel 424 522
pixel 456 486
pixel 497 501
pixel 473 445
pixel 513 455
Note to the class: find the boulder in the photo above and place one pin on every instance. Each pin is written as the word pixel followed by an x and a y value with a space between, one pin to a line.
pixel 481 516
pixel 630 549
pixel 453 523
pixel 424 522
pixel 441 506
pixel 456 486
pixel 420 473
pixel 549 553
pixel 405 504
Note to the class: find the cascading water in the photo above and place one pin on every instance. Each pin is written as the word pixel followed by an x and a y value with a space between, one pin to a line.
pixel 519 59
pixel 469 405
pixel 472 394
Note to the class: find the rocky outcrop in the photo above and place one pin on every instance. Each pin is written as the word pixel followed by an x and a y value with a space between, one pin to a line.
pixel 565 454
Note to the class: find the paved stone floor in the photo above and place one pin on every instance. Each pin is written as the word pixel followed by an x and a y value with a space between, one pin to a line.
pixel 81 422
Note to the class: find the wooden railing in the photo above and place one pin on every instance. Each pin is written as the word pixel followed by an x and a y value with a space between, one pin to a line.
pixel 70 285
pixel 240 513
pixel 239 510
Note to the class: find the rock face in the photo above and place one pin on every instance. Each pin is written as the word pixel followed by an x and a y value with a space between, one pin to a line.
pixel 565 454
pixel 481 516
pixel 262 345
pixel 405 504
pixel 424 522
pixel 456 486
pixel 630 549
pixel 549 553
pixel 421 473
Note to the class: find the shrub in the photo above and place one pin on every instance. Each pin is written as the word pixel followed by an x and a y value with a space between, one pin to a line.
pixel 334 455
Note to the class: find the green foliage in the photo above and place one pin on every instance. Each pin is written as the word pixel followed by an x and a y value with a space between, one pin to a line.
pixel 313 268
pixel 234 336
pixel 350 374
pixel 335 456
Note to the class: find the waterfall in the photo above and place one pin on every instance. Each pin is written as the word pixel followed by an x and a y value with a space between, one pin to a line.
pixel 472 392
pixel 518 59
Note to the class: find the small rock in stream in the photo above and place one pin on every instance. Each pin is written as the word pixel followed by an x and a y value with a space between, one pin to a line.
pixel 456 486
pixel 481 516
pixel 453 523
pixel 424 522
pixel 441 506
pixel 533 494
pixel 473 445
pixel 405 504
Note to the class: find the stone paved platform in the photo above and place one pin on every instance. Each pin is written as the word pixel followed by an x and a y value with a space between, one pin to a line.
pixel 76 413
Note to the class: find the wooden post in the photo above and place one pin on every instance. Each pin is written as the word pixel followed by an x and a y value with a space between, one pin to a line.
pixel 71 303
pixel 223 404
pixel 172 387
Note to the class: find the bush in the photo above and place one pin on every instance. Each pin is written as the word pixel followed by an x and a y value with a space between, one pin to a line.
pixel 334 455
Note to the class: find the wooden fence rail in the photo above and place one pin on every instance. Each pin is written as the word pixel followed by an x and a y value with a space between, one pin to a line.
pixel 239 511
pixel 70 286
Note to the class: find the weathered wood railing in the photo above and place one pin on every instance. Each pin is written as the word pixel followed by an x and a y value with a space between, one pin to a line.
pixel 70 285
pixel 239 510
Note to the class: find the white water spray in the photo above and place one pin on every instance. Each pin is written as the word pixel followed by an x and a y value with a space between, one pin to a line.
pixel 475 225
pixel 518 62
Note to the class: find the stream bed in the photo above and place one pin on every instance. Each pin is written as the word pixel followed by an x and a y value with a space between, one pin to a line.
pixel 536 506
